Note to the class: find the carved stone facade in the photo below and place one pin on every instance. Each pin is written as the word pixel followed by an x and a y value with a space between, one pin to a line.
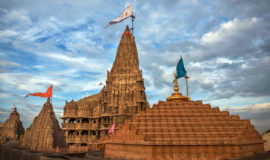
pixel 184 130
pixel 266 138
pixel 12 129
pixel 44 134
pixel 123 96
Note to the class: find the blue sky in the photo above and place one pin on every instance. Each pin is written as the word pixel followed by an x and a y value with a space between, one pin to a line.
pixel 224 45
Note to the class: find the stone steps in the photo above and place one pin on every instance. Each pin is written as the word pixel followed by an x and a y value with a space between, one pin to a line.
pixel 180 136
pixel 199 128
pixel 211 138
pixel 182 114
pixel 183 119
pixel 182 107
pixel 185 110
pixel 192 133
pixel 188 129
pixel 188 124
pixel 167 103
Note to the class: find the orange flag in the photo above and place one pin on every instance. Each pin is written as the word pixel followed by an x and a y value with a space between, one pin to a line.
pixel 47 94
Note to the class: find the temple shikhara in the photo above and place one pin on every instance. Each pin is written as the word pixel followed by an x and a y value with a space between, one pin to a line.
pixel 44 134
pixel 12 129
pixel 123 96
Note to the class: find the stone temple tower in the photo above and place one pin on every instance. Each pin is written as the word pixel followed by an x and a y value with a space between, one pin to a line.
pixel 124 92
pixel 123 96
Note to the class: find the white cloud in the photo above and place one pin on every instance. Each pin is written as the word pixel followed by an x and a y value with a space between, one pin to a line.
pixel 81 63
pixel 229 30
pixel 8 33
pixel 250 107
pixel 5 63
pixel 15 16
pixel 4 95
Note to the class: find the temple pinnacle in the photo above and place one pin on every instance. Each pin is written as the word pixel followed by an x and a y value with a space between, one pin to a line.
pixel 176 96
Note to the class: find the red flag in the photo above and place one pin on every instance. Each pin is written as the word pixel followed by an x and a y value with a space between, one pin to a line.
pixel 112 128
pixel 47 94
pixel 14 107
pixel 100 84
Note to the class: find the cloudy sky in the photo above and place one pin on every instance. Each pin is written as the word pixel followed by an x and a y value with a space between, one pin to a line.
pixel 225 46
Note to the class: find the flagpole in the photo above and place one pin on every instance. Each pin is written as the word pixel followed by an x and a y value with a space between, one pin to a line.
pixel 186 77
pixel 132 19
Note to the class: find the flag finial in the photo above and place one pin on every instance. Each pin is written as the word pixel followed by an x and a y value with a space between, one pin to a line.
pixel 176 96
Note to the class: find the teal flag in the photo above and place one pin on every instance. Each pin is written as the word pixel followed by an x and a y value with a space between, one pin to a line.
pixel 180 69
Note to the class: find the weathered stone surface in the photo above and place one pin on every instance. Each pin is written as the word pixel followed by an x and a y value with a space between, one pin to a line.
pixel 266 138
pixel 123 96
pixel 184 130
pixel 12 129
pixel 44 134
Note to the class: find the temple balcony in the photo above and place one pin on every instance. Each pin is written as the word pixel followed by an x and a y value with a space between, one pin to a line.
pixel 68 125
pixel 78 126
pixel 79 138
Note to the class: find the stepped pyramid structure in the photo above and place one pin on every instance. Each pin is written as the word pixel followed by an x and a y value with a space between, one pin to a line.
pixel 44 134
pixel 123 96
pixel 182 129
pixel 12 129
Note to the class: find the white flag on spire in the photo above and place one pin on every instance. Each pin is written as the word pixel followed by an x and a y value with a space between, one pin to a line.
pixel 124 15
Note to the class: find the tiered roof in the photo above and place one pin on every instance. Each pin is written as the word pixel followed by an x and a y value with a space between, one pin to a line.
pixel 186 123
pixel 44 134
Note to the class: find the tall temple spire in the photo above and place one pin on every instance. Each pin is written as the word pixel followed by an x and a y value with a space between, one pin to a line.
pixel 124 85
pixel 127 56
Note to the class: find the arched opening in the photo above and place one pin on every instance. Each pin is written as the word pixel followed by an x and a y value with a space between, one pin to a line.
pixel 93 133
pixel 71 132
pixel 85 120
pixel 84 133
pixel 72 120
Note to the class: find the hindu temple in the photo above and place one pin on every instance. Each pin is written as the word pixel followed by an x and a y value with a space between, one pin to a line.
pixel 44 134
pixel 12 128
pixel 123 96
